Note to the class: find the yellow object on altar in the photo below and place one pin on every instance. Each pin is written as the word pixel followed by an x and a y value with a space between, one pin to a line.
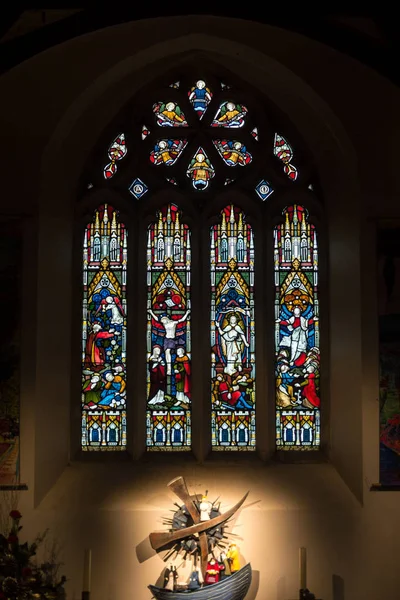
pixel 233 557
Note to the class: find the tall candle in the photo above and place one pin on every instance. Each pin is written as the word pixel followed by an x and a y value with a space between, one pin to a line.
pixel 303 568
pixel 87 570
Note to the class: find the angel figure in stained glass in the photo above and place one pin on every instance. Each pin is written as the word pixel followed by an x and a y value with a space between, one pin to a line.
pixel 233 152
pixel 169 115
pixel 230 115
pixel 170 334
pixel 200 97
pixel 200 171
pixel 232 340
pixel 166 152
pixel 111 306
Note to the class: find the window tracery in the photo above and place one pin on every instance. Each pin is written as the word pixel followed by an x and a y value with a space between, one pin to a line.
pixel 200 137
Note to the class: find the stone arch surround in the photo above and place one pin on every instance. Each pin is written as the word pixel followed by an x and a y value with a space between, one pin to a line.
pixel 325 521
pixel 318 126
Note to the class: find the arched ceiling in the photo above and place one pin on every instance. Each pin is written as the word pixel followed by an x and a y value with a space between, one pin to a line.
pixel 372 40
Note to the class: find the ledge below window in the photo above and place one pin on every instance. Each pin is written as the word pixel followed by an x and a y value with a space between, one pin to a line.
pixel 380 487
pixel 11 487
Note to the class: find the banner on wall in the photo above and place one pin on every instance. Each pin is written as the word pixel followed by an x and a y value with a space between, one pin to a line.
pixel 389 352
pixel 10 295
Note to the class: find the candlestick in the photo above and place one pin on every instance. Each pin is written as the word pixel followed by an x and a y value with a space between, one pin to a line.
pixel 303 568
pixel 87 574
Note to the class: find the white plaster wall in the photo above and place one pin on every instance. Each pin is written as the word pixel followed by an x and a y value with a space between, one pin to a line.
pixel 113 510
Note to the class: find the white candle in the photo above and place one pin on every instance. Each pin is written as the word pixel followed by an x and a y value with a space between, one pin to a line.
pixel 87 570
pixel 303 568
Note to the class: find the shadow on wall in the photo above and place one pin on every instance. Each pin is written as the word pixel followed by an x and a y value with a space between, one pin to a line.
pixel 255 584
pixel 144 551
pixel 337 587
pixel 281 589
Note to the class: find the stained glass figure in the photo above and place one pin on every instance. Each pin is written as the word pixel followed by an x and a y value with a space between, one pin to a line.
pixel 233 153
pixel 230 115
pixel 138 188
pixel 167 152
pixel 200 170
pixel 104 332
pixel 264 189
pixel 169 114
pixel 172 180
pixel 200 97
pixel 228 180
pixel 145 132
pixel 254 133
pixel 168 333
pixel 284 152
pixel 175 85
pixel 232 333
pixel 297 339
pixel 116 152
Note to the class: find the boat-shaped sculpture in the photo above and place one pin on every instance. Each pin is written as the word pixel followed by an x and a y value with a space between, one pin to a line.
pixel 198 529
pixel 234 587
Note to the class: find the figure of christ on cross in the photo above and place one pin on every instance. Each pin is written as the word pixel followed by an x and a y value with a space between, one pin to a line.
pixel 170 341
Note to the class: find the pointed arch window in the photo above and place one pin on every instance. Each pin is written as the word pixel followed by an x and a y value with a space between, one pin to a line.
pixel 104 332
pixel 297 340
pixel 191 144
pixel 168 332
pixel 232 333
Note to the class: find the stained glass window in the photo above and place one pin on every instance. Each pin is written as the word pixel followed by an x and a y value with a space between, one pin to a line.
pixel 167 152
pixel 232 333
pixel 191 139
pixel 284 152
pixel 104 332
pixel 264 189
pixel 200 97
pixel 200 170
pixel 116 152
pixel 138 188
pixel 145 132
pixel 297 342
pixel 168 332
pixel 233 152
pixel 169 114
pixel 230 114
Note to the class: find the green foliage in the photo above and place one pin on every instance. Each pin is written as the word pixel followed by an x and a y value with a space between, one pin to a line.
pixel 21 578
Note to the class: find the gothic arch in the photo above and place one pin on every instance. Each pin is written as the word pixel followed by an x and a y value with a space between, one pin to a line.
pixel 302 106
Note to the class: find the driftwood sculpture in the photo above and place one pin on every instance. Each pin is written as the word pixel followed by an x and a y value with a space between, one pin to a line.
pixel 233 587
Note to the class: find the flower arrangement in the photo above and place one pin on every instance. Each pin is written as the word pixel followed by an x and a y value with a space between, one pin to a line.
pixel 21 577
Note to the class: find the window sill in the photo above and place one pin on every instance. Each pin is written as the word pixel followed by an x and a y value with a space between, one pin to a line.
pixel 380 487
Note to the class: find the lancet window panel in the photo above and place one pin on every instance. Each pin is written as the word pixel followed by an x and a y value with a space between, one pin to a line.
pixel 169 393
pixel 104 326
pixel 191 139
pixel 232 333
pixel 297 332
